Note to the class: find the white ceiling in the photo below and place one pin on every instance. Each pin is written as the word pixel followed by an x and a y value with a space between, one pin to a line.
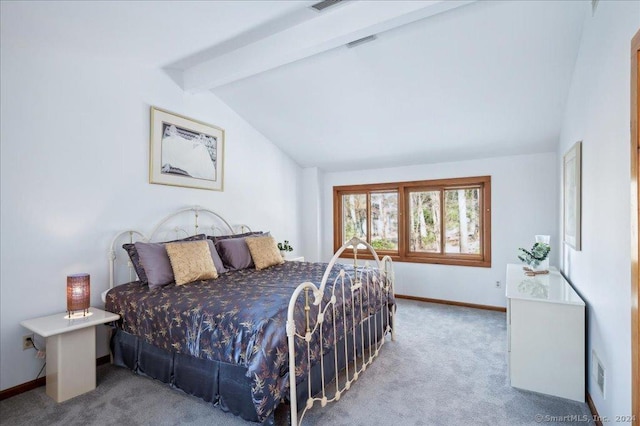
pixel 152 32
pixel 483 80
pixel 443 81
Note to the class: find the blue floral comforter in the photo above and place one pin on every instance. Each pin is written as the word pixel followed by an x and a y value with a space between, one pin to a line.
pixel 238 318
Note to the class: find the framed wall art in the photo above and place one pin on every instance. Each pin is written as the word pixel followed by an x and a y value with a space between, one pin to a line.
pixel 185 152
pixel 572 200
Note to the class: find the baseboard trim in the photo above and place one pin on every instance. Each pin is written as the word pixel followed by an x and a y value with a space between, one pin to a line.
pixel 103 360
pixel 594 412
pixel 25 387
pixel 451 302
pixel 33 384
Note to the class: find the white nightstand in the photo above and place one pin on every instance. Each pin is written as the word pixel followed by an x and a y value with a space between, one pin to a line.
pixel 71 351
pixel 294 259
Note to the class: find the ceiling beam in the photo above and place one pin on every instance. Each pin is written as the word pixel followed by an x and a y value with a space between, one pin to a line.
pixel 327 30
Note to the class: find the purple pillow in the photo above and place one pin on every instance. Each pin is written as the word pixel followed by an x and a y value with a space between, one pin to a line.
pixel 135 259
pixel 157 265
pixel 155 261
pixel 216 238
pixel 235 253
pixel 217 262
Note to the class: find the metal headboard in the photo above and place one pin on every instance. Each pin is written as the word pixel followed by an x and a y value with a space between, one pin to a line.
pixel 173 226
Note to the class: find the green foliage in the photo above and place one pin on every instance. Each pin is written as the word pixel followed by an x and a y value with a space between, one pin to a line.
pixel 383 244
pixel 459 225
pixel 451 209
pixel 431 239
pixel 354 216
pixel 285 246
pixel 538 253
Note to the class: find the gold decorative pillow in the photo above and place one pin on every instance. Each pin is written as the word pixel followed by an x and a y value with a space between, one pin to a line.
pixel 191 261
pixel 264 251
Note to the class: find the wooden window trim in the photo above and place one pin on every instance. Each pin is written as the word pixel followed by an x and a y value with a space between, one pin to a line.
pixel 403 188
pixel 635 235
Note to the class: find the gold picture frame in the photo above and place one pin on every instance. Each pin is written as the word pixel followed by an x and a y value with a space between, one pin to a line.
pixel 572 197
pixel 185 152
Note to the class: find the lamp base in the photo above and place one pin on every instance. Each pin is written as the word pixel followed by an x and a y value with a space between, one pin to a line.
pixel 77 315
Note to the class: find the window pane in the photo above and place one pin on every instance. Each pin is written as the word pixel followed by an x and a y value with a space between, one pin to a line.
pixel 442 221
pixel 384 221
pixel 424 211
pixel 462 219
pixel 354 216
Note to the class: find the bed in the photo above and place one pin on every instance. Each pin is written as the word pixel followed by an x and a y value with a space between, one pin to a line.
pixel 264 344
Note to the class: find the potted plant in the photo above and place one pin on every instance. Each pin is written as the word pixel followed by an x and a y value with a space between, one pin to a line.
pixel 534 257
pixel 284 248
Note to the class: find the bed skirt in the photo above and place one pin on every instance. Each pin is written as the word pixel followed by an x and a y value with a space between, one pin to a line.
pixel 227 385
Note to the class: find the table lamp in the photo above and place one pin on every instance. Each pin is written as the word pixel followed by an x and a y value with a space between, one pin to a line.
pixel 78 293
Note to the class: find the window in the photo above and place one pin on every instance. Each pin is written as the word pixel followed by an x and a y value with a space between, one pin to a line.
pixel 444 221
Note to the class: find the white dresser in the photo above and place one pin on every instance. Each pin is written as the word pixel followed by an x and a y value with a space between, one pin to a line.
pixel 546 333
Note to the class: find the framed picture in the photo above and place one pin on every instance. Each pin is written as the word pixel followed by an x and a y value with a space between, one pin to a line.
pixel 572 176
pixel 185 152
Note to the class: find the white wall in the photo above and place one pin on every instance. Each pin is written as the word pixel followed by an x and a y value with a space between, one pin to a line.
pixel 524 203
pixel 598 115
pixel 74 171
pixel 311 212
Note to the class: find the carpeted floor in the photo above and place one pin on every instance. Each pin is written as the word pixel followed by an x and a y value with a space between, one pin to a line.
pixel 447 367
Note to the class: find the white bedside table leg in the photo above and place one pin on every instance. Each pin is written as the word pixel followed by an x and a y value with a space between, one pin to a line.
pixel 71 363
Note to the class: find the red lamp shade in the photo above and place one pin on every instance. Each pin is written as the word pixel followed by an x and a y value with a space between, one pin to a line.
pixel 78 293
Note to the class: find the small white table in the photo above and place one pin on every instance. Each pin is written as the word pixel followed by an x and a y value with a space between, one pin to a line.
pixel 71 350
pixel 294 259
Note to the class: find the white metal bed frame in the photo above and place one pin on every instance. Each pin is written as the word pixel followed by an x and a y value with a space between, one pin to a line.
pixel 358 296
pixel 380 271
pixel 169 232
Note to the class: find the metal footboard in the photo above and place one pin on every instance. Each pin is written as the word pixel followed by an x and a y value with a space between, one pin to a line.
pixel 362 332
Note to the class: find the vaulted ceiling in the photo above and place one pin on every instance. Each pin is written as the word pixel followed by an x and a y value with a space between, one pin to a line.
pixel 441 81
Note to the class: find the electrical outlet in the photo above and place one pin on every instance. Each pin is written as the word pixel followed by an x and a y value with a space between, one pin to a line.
pixel 498 284
pixel 27 342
